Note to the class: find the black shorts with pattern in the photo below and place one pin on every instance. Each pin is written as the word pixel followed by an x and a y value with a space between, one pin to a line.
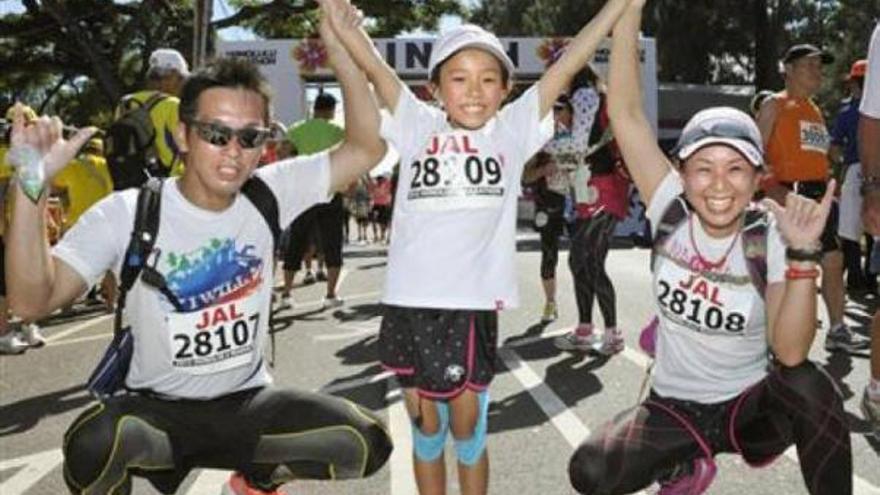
pixel 441 352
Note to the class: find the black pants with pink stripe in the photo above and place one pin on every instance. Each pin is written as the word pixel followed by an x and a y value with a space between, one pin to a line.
pixel 792 405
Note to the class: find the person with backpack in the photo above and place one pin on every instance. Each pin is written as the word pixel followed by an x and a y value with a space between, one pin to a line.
pixel 198 392
pixel 600 192
pixel 731 373
pixel 140 143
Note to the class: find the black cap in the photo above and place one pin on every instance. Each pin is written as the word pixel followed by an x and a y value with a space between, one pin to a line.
pixel 806 50
pixel 325 101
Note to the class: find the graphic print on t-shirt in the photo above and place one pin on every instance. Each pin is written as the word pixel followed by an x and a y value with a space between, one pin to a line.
pixel 217 286
pixel 456 170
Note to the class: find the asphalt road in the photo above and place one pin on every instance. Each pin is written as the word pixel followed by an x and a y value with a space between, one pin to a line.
pixel 544 402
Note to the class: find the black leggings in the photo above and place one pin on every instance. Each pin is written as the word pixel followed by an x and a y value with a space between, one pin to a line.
pixel 270 435
pixel 796 405
pixel 550 245
pixel 586 259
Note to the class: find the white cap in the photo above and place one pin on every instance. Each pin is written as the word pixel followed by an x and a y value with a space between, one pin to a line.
pixel 168 58
pixel 721 125
pixel 467 36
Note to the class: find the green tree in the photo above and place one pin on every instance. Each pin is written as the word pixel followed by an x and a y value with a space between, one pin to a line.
pixel 76 58
pixel 709 41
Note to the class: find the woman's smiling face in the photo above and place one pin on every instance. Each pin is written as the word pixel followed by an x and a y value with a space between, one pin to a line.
pixel 719 183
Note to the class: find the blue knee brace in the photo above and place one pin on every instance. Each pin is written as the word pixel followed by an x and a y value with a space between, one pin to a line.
pixel 429 447
pixel 471 449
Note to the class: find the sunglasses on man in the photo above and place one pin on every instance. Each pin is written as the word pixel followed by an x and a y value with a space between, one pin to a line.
pixel 220 135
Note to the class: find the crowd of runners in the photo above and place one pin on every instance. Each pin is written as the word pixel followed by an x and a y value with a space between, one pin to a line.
pixel 745 213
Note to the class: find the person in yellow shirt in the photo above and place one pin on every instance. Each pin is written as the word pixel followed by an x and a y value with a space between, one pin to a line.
pixel 165 76
pixel 79 185
pixel 83 182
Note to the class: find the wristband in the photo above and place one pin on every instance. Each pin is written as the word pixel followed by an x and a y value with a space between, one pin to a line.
pixel 794 273
pixel 793 254
pixel 30 172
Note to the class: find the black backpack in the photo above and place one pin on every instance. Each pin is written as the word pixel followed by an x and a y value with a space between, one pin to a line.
pixel 129 144
pixel 109 375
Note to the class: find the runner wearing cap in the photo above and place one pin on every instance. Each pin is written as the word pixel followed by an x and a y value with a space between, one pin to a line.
pixel 845 149
pixel 758 100
pixel 796 142
pixel 714 388
pixel 451 259
pixel 166 74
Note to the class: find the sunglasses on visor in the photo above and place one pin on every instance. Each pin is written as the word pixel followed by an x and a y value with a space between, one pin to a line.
pixel 720 128
pixel 220 135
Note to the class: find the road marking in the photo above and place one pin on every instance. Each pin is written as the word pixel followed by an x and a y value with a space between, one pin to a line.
pixel 80 340
pixel 78 328
pixel 562 417
pixel 566 422
pixel 209 482
pixel 403 480
pixel 34 467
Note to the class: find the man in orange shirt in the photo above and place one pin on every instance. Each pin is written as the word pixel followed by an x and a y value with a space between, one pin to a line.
pixel 796 142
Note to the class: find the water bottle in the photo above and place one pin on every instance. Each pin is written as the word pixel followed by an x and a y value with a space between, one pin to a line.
pixel 31 173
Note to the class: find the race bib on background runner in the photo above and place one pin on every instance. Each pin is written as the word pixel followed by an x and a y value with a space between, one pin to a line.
pixel 215 339
pixel 814 137
pixel 457 170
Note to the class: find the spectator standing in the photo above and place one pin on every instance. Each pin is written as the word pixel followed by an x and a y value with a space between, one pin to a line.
pixel 796 142
pixel 844 140
pixel 166 74
pixel 869 152
pixel 311 136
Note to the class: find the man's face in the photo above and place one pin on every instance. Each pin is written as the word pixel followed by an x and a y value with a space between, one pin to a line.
pixel 806 73
pixel 217 161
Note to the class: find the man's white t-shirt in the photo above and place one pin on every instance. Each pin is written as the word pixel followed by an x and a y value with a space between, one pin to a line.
pixel 454 221
pixel 870 105
pixel 712 340
pixel 219 265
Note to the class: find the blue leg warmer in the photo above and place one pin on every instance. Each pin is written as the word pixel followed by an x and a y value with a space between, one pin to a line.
pixel 470 450
pixel 430 447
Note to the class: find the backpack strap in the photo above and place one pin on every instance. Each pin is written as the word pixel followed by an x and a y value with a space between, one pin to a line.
pixel 676 213
pixel 143 238
pixel 258 192
pixel 754 240
pixel 130 103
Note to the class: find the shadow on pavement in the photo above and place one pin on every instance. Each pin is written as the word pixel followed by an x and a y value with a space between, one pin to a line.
pixel 371 395
pixel 363 351
pixel 25 414
pixel 571 379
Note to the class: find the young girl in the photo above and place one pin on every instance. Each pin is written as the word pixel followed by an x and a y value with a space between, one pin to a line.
pixel 714 387
pixel 451 259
